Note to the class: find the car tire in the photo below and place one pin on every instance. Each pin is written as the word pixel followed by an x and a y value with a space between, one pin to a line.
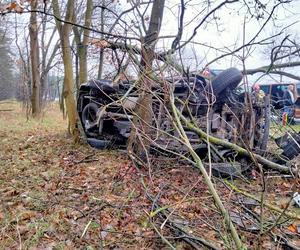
pixel 229 78
pixel 89 115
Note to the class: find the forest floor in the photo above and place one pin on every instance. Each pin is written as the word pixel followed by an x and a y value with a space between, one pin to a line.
pixel 57 195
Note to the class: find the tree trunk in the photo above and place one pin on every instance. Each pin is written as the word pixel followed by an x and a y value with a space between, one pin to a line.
pixel 46 60
pixel 100 67
pixel 82 56
pixel 69 82
pixel 34 56
pixel 101 56
pixel 138 144
pixel 82 46
pixel 64 33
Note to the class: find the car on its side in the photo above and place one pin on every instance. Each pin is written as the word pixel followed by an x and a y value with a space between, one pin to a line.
pixel 106 111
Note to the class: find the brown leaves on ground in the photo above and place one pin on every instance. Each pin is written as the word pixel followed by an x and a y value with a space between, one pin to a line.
pixel 55 195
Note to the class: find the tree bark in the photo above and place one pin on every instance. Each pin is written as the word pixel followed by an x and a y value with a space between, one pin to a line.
pixel 138 143
pixel 82 43
pixel 34 56
pixel 64 33
pixel 100 67
pixel 101 55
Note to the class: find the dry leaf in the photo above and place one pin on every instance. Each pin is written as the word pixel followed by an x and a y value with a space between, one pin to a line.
pixel 27 215
pixel 100 43
pixel 293 228
pixel 1 216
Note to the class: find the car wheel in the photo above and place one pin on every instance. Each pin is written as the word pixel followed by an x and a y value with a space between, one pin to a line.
pixel 89 115
pixel 229 78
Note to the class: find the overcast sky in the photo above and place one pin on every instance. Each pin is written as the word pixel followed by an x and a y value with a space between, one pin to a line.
pixel 227 35
pixel 229 31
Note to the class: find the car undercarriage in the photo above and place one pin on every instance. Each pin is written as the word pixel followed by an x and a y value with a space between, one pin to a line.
pixel 106 111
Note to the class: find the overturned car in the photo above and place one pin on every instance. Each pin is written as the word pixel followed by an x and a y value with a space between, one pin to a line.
pixel 217 106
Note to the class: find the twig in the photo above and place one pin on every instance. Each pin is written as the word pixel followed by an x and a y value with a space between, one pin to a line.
pixel 161 236
pixel 280 216
pixel 271 207
pixel 86 159
pixel 19 235
pixel 85 229
pixel 187 237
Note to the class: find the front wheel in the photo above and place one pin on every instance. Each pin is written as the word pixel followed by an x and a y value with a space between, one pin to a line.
pixel 89 116
pixel 229 78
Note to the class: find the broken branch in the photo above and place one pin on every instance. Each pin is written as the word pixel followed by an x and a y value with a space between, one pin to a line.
pixel 235 147
pixel 271 207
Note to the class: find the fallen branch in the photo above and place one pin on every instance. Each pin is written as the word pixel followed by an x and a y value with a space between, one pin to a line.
pixel 198 163
pixel 86 159
pixel 260 159
pixel 182 233
pixel 162 237
pixel 271 207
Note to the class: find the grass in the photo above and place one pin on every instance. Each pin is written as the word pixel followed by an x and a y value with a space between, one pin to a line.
pixel 12 120
pixel 46 198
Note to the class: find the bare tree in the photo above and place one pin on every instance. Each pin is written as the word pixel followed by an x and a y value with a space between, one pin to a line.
pixel 49 49
pixel 35 62
pixel 64 33
pixel 144 112
pixel 81 37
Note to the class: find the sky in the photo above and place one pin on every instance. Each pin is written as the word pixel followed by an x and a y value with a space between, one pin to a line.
pixel 230 28
pixel 227 35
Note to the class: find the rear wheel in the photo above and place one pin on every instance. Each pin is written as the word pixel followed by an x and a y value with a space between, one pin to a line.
pixel 229 78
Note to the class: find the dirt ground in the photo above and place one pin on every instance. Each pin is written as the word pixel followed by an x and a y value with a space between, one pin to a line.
pixel 57 195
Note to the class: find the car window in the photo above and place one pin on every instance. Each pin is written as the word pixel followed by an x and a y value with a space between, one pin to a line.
pixel 298 89
pixel 265 88
pixel 283 87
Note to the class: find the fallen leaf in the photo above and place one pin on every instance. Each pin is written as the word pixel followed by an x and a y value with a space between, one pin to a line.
pixel 27 215
pixel 1 216
pixel 293 228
